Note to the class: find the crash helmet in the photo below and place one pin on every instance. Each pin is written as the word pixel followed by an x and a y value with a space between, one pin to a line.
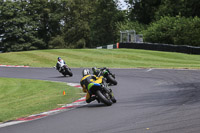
pixel 59 59
pixel 85 72
pixel 96 71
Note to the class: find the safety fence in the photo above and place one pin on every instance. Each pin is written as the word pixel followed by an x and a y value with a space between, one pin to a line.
pixel 156 47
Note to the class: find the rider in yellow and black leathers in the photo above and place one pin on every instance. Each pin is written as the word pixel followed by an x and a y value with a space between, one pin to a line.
pixel 86 82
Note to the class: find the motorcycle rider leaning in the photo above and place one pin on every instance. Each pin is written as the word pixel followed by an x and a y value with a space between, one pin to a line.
pixel 59 64
pixel 96 71
pixel 86 82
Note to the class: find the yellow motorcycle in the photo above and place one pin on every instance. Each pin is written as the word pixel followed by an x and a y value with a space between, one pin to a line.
pixel 102 91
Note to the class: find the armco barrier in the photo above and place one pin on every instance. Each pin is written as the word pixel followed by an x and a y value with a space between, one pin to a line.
pixel 162 47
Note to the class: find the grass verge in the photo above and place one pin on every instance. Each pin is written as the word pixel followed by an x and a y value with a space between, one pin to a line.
pixel 23 97
pixel 113 58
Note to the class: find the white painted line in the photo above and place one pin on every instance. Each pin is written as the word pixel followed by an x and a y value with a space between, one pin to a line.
pixel 73 84
pixel 12 66
pixel 149 70
pixel 10 123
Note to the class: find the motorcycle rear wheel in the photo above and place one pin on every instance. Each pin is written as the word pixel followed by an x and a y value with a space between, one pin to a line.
pixel 103 99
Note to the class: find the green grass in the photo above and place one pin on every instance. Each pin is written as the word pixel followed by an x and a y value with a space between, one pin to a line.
pixel 115 58
pixel 23 97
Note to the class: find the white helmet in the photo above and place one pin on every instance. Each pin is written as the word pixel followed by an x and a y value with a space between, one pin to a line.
pixel 85 72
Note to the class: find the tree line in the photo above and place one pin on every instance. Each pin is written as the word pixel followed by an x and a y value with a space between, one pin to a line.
pixel 165 21
pixel 44 24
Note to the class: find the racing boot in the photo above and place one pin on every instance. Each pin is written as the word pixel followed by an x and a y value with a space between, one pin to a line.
pixel 90 99
pixel 97 99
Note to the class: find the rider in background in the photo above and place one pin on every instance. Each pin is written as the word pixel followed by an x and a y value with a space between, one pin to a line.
pixel 96 70
pixel 86 82
pixel 59 64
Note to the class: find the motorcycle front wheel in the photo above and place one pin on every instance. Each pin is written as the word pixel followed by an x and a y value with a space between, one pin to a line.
pixel 113 99
pixel 70 72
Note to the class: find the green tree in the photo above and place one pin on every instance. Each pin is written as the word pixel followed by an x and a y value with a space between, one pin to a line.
pixel 39 13
pixel 186 8
pixel 37 24
pixel 131 25
pixel 143 11
pixel 103 25
pixel 17 31
pixel 76 23
pixel 170 8
pixel 192 8
pixel 29 24
pixel 174 30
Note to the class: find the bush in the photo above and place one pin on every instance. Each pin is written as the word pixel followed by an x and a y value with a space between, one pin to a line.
pixel 174 30
pixel 57 42
pixel 81 43
pixel 128 25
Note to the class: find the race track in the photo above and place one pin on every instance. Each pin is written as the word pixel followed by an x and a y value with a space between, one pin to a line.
pixel 149 101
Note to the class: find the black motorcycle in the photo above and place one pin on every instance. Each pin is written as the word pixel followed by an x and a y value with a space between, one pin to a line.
pixel 105 72
pixel 103 93
pixel 64 69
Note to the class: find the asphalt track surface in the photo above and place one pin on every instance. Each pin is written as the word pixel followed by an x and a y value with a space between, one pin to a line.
pixel 149 101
